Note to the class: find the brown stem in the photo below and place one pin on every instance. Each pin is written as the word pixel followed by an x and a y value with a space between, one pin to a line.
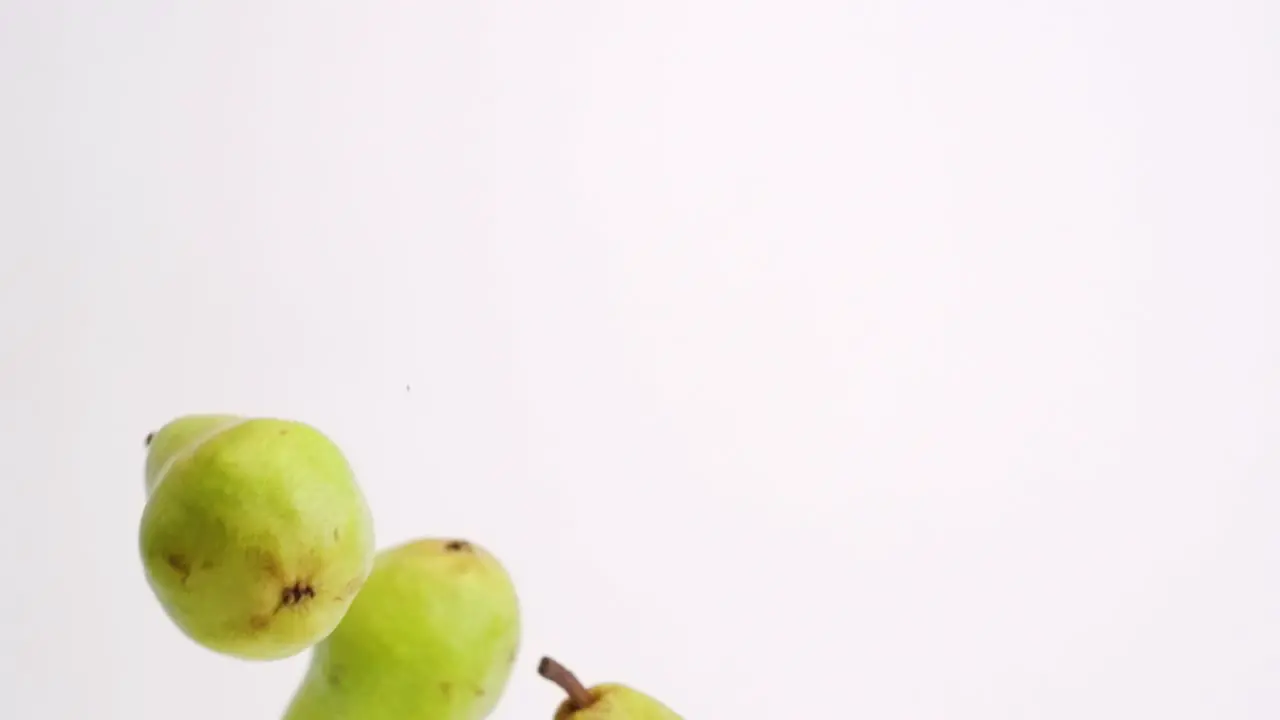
pixel 578 694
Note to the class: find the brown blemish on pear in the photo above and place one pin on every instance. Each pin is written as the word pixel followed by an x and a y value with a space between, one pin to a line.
pixel 180 566
pixel 295 594
pixel 269 563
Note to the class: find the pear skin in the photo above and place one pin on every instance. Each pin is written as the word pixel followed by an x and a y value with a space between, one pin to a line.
pixel 180 434
pixel 606 701
pixel 432 636
pixel 256 536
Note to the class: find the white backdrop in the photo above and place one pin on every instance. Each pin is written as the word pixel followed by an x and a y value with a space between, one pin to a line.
pixel 854 359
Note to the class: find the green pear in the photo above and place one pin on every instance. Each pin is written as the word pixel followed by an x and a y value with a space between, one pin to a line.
pixel 607 701
pixel 256 536
pixel 179 434
pixel 432 636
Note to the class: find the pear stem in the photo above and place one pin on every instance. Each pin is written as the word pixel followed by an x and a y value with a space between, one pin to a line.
pixel 578 694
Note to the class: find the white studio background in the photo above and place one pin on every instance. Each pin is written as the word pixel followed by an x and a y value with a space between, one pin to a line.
pixel 863 359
